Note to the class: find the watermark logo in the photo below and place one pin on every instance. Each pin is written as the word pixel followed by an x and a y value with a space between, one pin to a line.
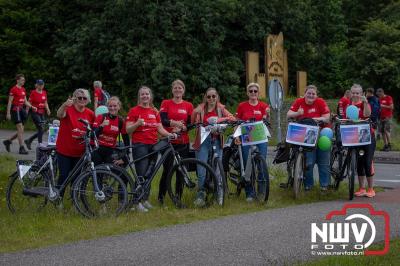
pixel 350 231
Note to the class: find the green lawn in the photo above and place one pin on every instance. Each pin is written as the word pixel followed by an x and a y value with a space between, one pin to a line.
pixel 392 258
pixel 51 227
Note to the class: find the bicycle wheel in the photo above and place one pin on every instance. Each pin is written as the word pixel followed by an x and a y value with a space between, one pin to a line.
pixel 260 178
pixel 219 174
pixel 186 169
pixel 231 164
pixel 298 175
pixel 90 204
pixel 17 195
pixel 352 173
pixel 124 175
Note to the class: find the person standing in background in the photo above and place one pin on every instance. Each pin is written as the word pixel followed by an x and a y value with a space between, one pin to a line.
pixel 343 103
pixel 98 94
pixel 387 107
pixel 38 99
pixel 16 112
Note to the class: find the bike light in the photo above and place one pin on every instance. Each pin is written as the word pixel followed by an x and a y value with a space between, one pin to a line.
pixel 361 152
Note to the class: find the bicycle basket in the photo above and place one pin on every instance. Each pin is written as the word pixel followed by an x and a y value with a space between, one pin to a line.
pixel 282 153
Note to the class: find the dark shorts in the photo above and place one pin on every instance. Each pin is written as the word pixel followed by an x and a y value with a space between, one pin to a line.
pixel 385 125
pixel 18 116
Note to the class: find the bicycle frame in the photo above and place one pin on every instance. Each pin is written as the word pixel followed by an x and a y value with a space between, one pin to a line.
pixel 144 183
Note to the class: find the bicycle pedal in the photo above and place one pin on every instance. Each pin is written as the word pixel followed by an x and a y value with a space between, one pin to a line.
pixel 190 184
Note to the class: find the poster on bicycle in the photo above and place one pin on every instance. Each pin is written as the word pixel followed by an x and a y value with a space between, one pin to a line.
pixel 301 134
pixel 254 133
pixel 355 135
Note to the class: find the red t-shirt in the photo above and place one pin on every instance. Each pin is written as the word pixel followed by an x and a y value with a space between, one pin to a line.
pixel 70 130
pixel 207 115
pixel 98 93
pixel 386 112
pixel 146 134
pixel 109 134
pixel 38 100
pixel 178 112
pixel 360 107
pixel 316 109
pixel 19 95
pixel 342 106
pixel 246 111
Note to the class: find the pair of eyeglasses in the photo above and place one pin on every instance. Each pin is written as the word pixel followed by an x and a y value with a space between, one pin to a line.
pixel 253 91
pixel 212 96
pixel 80 98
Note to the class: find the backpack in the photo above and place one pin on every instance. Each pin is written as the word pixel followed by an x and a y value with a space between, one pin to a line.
pixel 106 97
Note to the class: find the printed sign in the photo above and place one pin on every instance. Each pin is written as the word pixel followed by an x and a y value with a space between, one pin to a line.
pixel 254 133
pixel 300 134
pixel 355 135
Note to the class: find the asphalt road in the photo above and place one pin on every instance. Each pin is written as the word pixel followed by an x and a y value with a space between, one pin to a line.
pixel 279 236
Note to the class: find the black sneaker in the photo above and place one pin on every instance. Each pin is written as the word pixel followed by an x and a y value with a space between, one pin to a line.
pixel 385 148
pixel 7 143
pixel 389 147
pixel 22 150
pixel 28 144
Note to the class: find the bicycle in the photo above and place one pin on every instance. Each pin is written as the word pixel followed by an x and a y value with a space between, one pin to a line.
pixel 296 165
pixel 36 184
pixel 348 168
pixel 139 186
pixel 254 172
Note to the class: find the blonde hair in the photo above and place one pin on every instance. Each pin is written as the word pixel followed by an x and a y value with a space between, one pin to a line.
pixel 115 98
pixel 151 96
pixel 178 82
pixel 82 91
pixel 253 84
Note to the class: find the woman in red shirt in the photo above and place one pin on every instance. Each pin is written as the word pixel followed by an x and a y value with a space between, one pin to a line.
pixel 143 123
pixel 175 115
pixel 108 127
pixel 38 99
pixel 211 107
pixel 255 110
pixel 16 113
pixel 365 167
pixel 69 144
pixel 311 106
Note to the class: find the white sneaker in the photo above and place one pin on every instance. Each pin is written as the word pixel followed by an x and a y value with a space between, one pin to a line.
pixel 249 199
pixel 147 205
pixel 141 208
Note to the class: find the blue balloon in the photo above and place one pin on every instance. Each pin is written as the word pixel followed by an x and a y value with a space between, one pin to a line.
pixel 352 112
pixel 326 131
pixel 102 109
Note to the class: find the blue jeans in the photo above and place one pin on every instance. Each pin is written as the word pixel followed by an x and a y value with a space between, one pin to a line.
pixel 262 148
pixel 202 155
pixel 322 158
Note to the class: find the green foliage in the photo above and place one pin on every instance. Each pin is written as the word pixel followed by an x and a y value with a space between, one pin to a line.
pixel 127 44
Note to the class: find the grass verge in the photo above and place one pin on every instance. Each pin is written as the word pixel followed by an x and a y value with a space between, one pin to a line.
pixel 52 227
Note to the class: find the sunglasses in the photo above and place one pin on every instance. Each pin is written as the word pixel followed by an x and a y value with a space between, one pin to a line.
pixel 80 98
pixel 212 96
pixel 253 91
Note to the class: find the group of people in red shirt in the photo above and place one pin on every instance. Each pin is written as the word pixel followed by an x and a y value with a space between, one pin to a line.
pixel 144 123
pixel 17 111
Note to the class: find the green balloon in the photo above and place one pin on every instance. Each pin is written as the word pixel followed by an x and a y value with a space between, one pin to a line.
pixel 324 143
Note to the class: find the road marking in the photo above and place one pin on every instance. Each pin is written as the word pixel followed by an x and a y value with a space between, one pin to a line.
pixel 387 180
